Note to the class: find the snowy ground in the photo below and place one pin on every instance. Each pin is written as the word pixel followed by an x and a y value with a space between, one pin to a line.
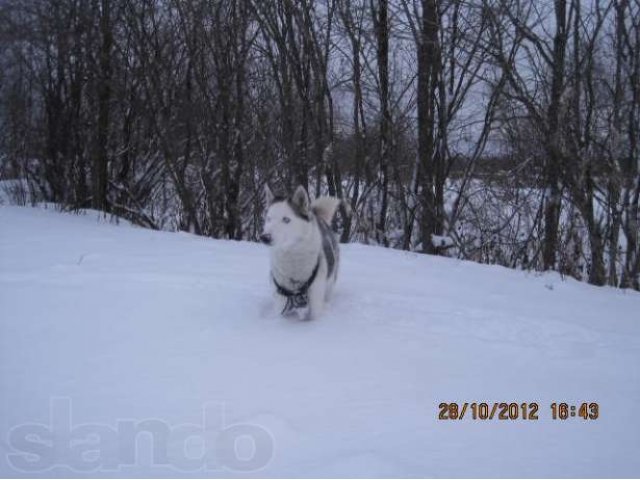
pixel 126 352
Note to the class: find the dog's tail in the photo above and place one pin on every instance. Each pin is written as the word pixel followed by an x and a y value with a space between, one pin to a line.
pixel 325 207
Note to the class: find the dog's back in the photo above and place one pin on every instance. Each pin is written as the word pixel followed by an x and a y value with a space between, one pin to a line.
pixel 324 208
pixel 329 247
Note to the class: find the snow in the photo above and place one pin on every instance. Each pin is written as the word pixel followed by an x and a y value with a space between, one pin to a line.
pixel 120 327
pixel 441 241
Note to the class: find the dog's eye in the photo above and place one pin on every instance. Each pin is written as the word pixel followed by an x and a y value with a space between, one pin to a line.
pixel 286 219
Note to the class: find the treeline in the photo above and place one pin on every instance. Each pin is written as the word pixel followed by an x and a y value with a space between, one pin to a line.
pixel 502 131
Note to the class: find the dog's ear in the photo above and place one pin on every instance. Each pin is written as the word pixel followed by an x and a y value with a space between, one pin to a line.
pixel 301 199
pixel 268 195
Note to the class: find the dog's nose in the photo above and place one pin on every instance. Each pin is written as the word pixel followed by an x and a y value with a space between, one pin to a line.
pixel 265 238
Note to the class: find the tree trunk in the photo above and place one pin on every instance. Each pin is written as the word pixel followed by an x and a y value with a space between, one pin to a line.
pixel 428 75
pixel 554 156
pixel 380 16
pixel 101 159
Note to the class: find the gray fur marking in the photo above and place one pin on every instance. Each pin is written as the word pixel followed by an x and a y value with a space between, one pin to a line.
pixel 297 211
pixel 329 245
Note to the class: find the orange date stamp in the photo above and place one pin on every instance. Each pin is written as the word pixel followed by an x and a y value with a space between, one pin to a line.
pixel 516 411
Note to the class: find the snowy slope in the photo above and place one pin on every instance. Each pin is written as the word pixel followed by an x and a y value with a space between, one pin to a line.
pixel 116 324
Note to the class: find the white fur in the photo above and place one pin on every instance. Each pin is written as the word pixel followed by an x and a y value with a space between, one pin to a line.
pixel 296 247
pixel 325 208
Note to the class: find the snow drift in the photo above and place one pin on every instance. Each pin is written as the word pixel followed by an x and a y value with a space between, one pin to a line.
pixel 130 352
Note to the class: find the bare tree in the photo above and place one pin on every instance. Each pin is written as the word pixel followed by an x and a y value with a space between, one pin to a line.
pixel 501 131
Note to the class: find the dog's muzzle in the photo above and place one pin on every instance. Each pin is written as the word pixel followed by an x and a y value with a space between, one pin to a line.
pixel 266 238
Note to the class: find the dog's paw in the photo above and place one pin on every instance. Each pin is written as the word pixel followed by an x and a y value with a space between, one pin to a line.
pixel 304 314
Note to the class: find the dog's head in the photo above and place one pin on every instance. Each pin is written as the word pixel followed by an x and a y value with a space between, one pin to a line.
pixel 287 220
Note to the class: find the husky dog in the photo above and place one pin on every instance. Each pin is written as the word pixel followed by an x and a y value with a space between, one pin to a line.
pixel 304 251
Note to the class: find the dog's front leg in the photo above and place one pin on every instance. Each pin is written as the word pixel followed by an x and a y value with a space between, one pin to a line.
pixel 279 304
pixel 317 292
